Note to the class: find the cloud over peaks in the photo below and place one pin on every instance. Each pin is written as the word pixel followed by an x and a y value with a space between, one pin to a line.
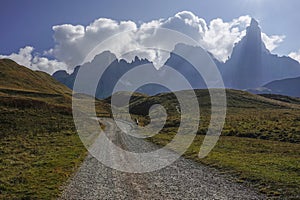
pixel 74 42
pixel 272 41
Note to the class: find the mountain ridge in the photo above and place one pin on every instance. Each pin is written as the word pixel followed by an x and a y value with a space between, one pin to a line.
pixel 251 65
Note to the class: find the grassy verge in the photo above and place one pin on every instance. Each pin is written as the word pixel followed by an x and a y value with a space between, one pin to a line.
pixel 272 167
pixel 36 166
pixel 39 150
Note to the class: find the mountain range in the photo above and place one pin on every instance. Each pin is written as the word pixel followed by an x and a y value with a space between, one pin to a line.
pixel 251 66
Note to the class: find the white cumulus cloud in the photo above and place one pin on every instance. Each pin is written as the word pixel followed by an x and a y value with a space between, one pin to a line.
pixel 26 58
pixel 295 55
pixel 220 37
pixel 272 41
pixel 74 42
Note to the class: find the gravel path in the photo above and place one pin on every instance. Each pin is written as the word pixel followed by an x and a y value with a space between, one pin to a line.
pixel 184 179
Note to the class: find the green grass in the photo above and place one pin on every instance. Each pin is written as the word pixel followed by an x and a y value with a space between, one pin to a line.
pixel 269 124
pixel 36 166
pixel 270 166
pixel 39 150
pixel 17 77
pixel 248 115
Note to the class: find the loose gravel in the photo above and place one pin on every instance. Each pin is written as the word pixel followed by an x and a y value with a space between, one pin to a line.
pixel 184 179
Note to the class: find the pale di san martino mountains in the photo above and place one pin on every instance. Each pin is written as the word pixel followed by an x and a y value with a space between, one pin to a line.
pixel 251 67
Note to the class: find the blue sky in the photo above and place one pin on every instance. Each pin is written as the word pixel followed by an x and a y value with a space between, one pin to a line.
pixel 30 22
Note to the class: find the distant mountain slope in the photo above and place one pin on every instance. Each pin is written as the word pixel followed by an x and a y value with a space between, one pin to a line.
pixel 289 87
pixel 285 87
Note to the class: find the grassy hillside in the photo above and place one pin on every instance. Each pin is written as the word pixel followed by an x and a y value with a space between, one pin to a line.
pixel 260 142
pixel 39 146
pixel 120 96
pixel 16 77
pixel 248 115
